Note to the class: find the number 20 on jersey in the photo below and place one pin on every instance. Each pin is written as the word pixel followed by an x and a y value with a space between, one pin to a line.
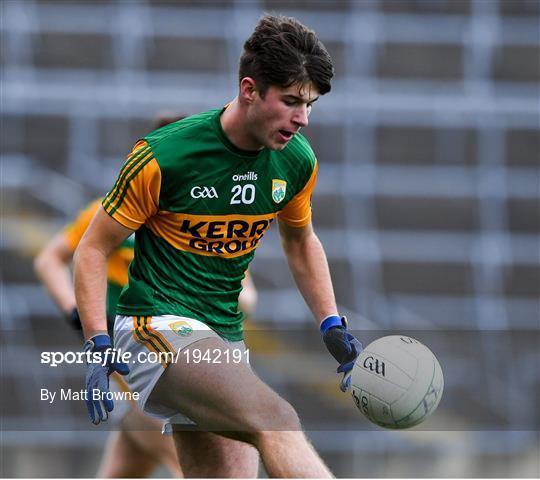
pixel 243 194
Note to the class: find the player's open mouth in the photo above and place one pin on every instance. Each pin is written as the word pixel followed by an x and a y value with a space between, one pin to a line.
pixel 286 134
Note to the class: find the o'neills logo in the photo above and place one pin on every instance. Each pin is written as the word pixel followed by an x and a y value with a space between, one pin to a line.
pixel 247 176
pixel 224 237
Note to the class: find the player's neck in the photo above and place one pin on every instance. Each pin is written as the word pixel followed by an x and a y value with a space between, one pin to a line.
pixel 233 121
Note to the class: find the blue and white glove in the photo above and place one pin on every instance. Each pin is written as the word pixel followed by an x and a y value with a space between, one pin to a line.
pixel 343 346
pixel 101 362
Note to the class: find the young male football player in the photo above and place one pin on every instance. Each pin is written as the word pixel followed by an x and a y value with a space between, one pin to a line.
pixel 200 194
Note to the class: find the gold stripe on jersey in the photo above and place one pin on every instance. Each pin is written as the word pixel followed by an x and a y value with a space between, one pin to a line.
pixel 120 190
pixel 139 199
pixel 136 162
pixel 226 236
pixel 139 149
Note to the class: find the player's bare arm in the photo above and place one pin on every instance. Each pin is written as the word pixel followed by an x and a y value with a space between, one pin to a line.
pixel 308 264
pixel 90 270
pixel 52 268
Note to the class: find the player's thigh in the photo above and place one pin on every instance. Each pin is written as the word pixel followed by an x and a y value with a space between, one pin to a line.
pixel 206 454
pixel 222 397
pixel 123 458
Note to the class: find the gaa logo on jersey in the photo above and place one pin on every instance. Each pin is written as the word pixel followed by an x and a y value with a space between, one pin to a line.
pixel 279 187
pixel 181 328
pixel 203 192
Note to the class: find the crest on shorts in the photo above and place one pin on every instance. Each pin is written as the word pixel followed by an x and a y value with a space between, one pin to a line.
pixel 181 328
pixel 279 187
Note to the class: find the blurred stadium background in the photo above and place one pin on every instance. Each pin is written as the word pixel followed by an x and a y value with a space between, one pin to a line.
pixel 427 204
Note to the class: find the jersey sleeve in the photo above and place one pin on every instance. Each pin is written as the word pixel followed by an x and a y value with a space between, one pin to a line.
pixel 135 195
pixel 75 230
pixel 297 213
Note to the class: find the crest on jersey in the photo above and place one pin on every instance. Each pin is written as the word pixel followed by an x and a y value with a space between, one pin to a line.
pixel 279 187
pixel 181 328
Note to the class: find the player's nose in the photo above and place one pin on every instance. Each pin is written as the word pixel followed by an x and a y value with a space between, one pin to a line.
pixel 301 116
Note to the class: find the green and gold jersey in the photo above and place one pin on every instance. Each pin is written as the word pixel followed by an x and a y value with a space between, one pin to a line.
pixel 200 207
pixel 118 261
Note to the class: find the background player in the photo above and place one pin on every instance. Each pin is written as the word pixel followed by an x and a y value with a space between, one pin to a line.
pixel 138 447
pixel 192 253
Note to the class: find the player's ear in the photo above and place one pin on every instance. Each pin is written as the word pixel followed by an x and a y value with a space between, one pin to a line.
pixel 248 89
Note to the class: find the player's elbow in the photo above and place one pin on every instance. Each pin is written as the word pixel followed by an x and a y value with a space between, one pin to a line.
pixel 298 248
pixel 81 255
pixel 40 263
pixel 45 261
pixel 295 238
pixel 55 255
pixel 87 256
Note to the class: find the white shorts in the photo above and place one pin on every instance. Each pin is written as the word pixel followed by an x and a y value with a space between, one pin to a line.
pixel 152 343
pixel 121 405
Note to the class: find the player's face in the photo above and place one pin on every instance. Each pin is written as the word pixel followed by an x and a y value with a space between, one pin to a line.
pixel 277 117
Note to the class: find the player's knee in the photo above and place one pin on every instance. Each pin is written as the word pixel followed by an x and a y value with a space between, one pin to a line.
pixel 277 415
pixel 286 417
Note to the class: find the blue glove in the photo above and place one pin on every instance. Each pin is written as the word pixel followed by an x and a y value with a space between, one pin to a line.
pixel 343 346
pixel 100 364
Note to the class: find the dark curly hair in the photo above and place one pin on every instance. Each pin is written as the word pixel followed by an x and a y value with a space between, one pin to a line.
pixel 281 52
